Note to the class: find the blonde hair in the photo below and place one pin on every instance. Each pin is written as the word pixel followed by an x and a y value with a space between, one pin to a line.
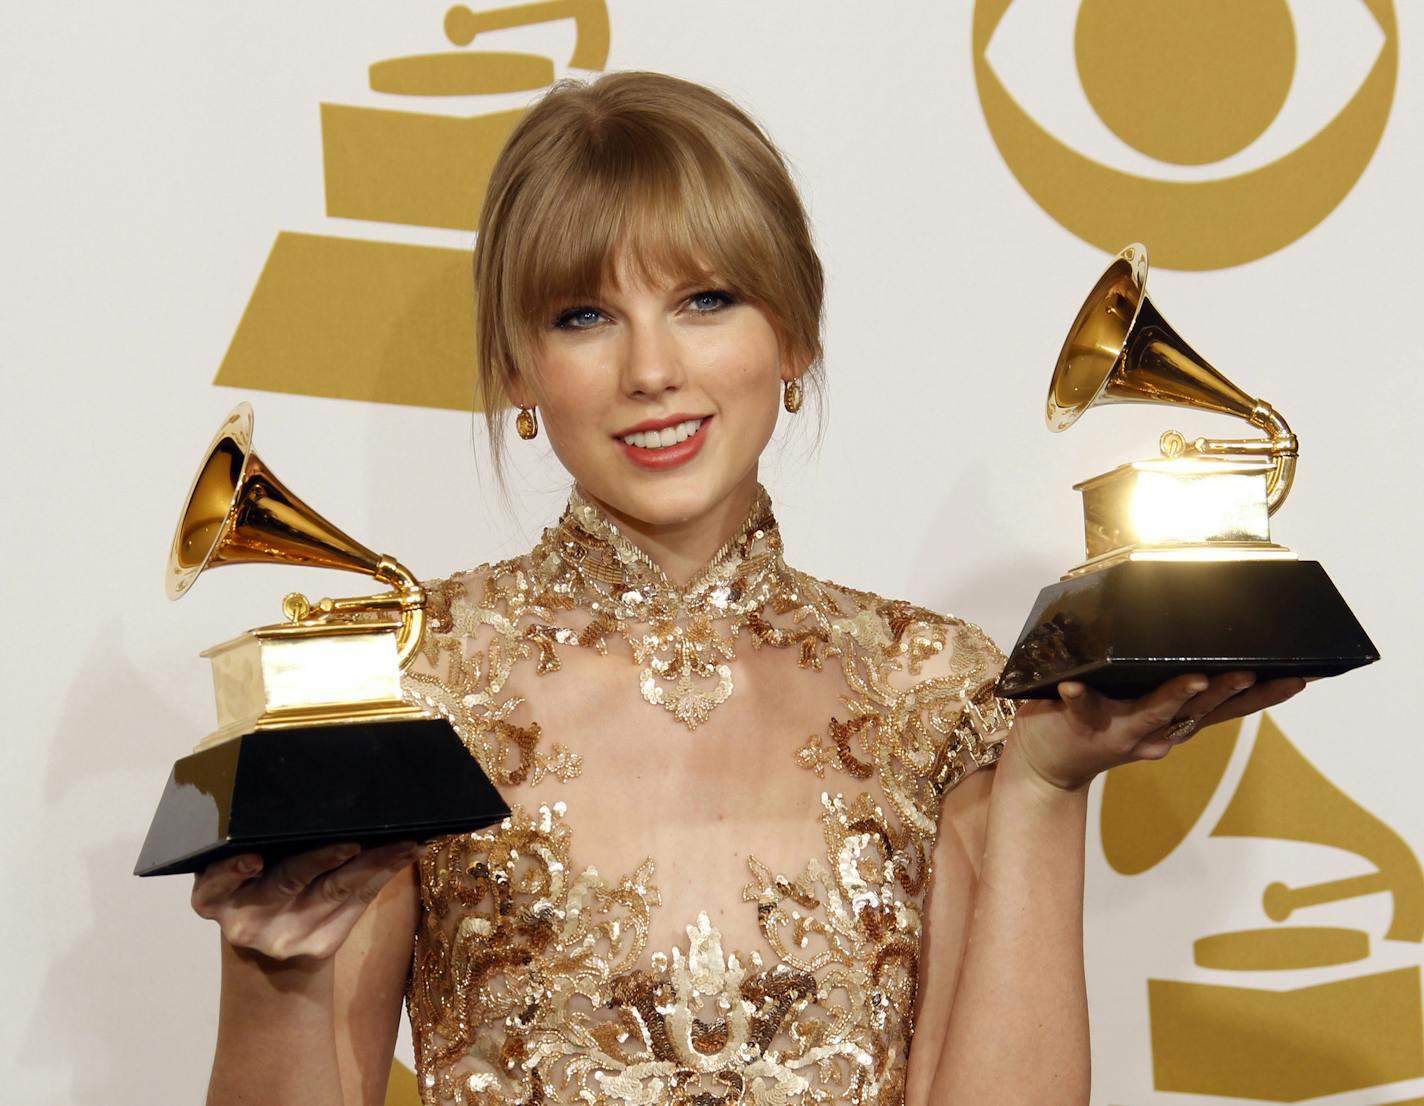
pixel 641 169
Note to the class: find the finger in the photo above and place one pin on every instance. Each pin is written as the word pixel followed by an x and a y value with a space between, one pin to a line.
pixel 1286 688
pixel 397 852
pixel 1219 690
pixel 222 879
pixel 292 876
pixel 359 881
pixel 332 931
pixel 1154 748
pixel 1258 698
pixel 1084 705
pixel 338 883
pixel 1158 707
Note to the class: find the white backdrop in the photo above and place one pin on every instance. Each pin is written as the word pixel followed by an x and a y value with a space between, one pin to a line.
pixel 153 152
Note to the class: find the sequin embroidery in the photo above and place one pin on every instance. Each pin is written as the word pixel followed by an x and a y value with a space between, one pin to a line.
pixel 530 982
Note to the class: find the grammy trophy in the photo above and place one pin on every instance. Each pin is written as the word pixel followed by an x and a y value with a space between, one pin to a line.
pixel 1181 573
pixel 315 743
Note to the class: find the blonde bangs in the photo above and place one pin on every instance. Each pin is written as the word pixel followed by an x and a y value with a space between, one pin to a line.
pixel 599 224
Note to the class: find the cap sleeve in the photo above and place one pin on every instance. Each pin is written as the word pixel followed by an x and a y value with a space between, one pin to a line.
pixel 971 722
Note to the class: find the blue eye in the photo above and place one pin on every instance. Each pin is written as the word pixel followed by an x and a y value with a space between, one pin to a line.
pixel 579 318
pixel 705 303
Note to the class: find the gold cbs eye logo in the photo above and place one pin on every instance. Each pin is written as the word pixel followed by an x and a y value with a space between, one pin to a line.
pixel 1218 131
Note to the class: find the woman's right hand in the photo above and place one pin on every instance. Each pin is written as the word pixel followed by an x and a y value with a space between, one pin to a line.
pixel 302 907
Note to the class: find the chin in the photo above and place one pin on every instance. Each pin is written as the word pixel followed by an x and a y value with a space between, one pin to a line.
pixel 663 499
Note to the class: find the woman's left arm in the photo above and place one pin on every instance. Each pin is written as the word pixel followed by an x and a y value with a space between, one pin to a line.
pixel 1017 1024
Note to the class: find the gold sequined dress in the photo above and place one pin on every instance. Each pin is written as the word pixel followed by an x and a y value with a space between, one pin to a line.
pixel 725 797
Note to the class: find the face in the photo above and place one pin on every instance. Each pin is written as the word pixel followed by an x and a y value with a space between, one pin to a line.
pixel 660 397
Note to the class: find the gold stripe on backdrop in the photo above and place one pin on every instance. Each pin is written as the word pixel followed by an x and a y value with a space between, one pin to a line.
pixel 348 318
pixel 1284 1046
pixel 410 167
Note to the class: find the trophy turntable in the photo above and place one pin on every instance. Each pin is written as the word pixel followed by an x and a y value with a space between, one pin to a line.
pixel 1181 573
pixel 315 743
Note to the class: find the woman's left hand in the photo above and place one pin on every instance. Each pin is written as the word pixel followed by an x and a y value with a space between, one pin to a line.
pixel 1069 741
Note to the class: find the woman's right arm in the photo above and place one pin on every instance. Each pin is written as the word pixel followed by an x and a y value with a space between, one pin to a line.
pixel 315 953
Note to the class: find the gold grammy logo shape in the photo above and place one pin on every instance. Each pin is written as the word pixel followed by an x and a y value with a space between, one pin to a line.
pixel 374 319
pixel 1360 1028
pixel 1196 125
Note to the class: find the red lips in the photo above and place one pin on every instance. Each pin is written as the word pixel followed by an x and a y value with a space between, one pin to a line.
pixel 667 457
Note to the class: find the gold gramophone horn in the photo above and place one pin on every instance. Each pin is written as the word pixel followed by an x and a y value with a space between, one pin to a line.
pixel 1121 350
pixel 238 512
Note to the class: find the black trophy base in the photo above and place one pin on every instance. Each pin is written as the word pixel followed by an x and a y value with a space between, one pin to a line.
pixel 277 792
pixel 1125 629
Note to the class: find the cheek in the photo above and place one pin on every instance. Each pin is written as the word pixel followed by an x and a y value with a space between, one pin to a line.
pixel 749 375
pixel 749 359
pixel 572 394
pixel 763 377
pixel 759 389
pixel 572 425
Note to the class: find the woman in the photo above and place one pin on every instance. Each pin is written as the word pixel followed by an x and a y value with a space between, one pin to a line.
pixel 756 845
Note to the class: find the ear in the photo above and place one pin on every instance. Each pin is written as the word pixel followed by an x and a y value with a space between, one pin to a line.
pixel 519 392
pixel 794 365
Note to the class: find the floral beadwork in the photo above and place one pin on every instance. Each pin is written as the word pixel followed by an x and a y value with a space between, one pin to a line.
pixel 533 979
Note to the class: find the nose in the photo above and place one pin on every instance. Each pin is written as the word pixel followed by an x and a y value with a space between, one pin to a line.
pixel 652 362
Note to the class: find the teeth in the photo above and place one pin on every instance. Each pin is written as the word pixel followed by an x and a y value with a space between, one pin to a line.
pixel 669 435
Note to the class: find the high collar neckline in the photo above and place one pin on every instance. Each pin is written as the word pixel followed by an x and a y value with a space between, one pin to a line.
pixel 599 539
pixel 683 637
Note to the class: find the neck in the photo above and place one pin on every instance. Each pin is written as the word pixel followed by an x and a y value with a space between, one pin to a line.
pixel 683 548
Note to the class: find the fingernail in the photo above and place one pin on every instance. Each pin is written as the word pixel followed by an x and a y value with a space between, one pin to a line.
pixel 1241 683
pixel 1197 685
pixel 1070 690
pixel 247 865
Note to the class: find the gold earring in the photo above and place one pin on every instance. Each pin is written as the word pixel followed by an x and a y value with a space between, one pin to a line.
pixel 526 425
pixel 791 400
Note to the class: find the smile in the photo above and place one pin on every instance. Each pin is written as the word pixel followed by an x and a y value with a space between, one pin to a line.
pixel 665 447
pixel 667 436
